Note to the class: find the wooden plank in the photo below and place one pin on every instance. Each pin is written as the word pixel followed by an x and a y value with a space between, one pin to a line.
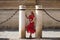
pixel 9 4
pixel 50 4
pixel 15 4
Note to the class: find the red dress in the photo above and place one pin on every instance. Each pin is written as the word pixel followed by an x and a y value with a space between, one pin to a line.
pixel 31 27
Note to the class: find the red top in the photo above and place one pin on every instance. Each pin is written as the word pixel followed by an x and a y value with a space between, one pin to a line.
pixel 31 17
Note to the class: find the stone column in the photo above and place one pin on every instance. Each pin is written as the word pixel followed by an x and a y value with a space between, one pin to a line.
pixel 22 21
pixel 38 22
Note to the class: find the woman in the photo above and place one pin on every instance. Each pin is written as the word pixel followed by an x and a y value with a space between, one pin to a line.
pixel 31 26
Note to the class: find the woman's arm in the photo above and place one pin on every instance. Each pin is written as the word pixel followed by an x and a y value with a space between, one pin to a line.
pixel 33 20
pixel 26 16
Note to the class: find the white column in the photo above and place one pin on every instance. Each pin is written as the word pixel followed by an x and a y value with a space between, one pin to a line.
pixel 38 22
pixel 22 21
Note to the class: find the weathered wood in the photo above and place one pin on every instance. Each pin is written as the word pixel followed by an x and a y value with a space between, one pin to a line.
pixel 14 4
pixel 50 4
pixel 11 4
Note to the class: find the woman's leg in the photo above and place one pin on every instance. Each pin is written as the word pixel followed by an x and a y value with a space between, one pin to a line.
pixel 33 35
pixel 27 34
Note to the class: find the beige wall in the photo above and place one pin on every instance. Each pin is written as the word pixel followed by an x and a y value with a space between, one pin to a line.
pixel 13 22
pixel 49 22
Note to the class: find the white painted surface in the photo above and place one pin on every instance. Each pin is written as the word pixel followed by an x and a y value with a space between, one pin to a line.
pixel 9 34
pixel 51 34
pixel 21 21
pixel 15 34
pixel 38 22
